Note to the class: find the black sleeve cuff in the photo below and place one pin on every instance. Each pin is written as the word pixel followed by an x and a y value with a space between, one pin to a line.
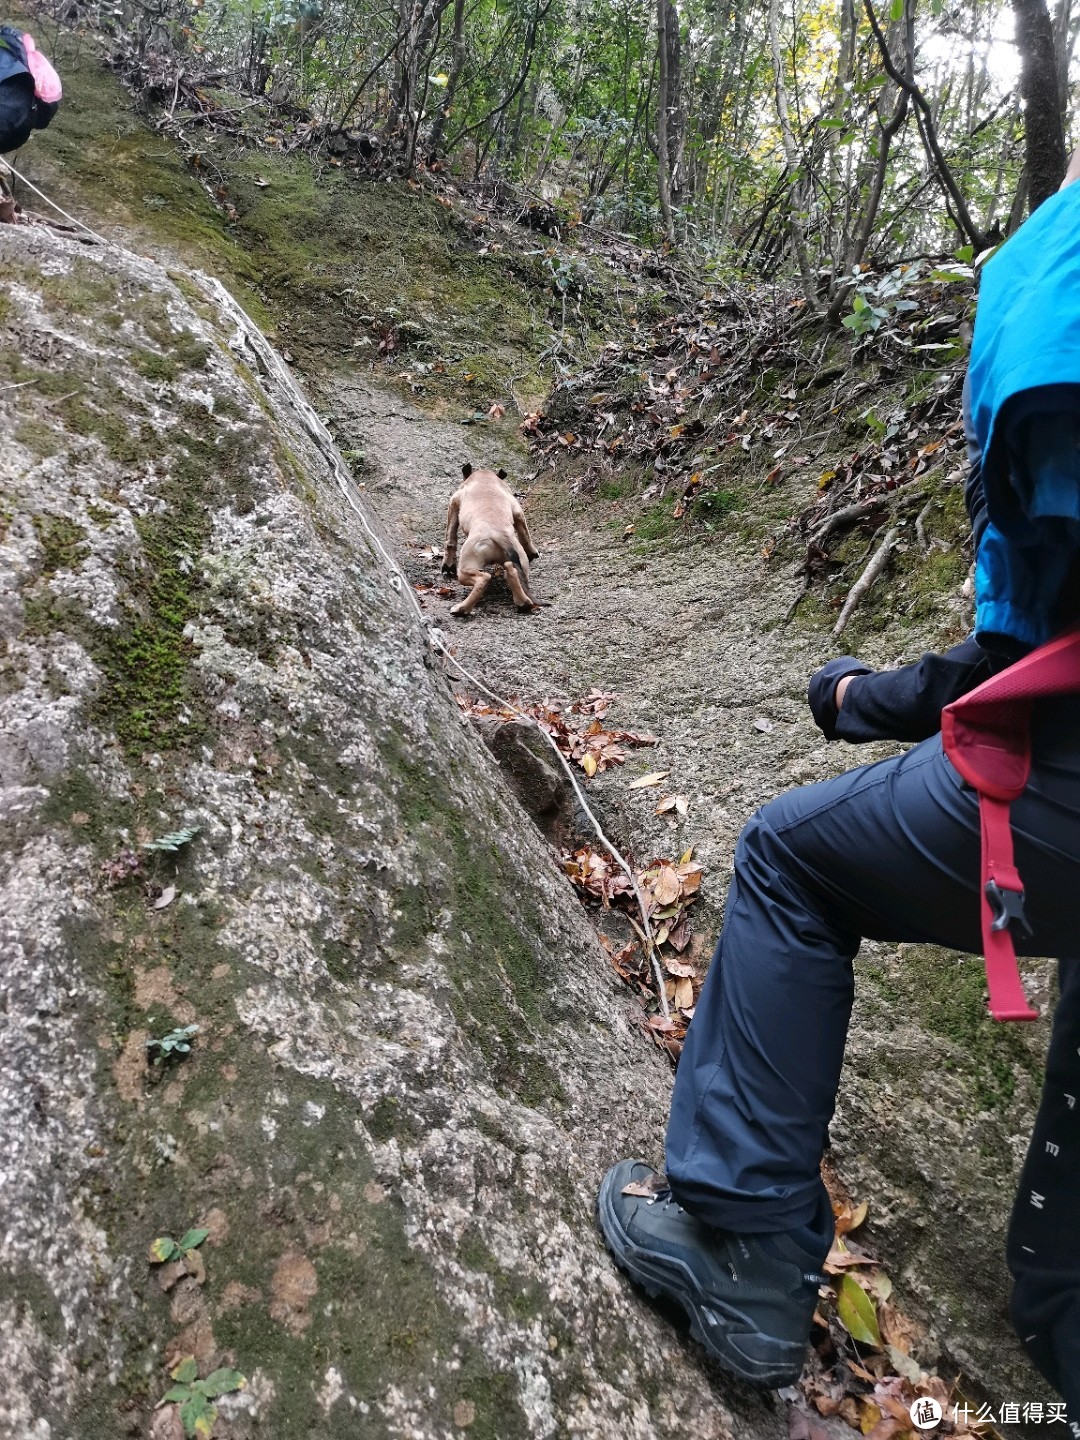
pixel 822 691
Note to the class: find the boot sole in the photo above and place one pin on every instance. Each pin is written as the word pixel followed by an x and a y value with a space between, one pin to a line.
pixel 714 1325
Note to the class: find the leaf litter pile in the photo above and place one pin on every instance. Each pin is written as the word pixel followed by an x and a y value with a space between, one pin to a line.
pixel 585 736
pixel 579 729
pixel 869 1362
pixel 668 889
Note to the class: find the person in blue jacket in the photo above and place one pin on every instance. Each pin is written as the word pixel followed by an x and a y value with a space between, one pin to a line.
pixel 738 1229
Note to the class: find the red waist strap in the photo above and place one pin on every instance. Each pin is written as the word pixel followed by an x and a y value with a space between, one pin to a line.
pixel 987 737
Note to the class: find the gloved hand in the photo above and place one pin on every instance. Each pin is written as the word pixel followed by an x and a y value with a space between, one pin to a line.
pixel 822 691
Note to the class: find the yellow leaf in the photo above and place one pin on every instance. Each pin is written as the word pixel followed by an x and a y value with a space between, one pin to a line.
pixel 869 1416
pixel 588 764
pixel 686 856
pixel 644 781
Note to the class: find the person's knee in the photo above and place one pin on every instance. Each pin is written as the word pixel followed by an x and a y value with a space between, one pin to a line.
pixel 760 839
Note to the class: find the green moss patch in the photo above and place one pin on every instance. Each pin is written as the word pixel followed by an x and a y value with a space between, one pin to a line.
pixel 947 993
pixel 62 541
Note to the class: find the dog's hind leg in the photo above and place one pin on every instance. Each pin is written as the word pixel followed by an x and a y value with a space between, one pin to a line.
pixel 479 580
pixel 521 529
pixel 450 551
pixel 522 599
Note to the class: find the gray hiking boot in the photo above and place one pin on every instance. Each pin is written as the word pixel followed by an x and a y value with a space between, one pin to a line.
pixel 750 1306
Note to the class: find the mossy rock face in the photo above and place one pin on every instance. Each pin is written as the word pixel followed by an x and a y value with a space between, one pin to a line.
pixel 410 1067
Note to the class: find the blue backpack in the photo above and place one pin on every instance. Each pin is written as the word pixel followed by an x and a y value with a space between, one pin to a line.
pixel 1024 381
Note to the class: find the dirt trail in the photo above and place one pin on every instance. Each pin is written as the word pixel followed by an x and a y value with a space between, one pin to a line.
pixel 687 638
pixel 692 641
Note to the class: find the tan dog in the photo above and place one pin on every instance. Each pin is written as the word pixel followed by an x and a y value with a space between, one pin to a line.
pixel 493 534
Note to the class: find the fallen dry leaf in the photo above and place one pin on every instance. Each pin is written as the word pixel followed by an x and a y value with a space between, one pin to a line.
pixel 684 994
pixel 644 1189
pixel 167 896
pixel 643 782
pixel 850 1217
pixel 838 1261
pixel 667 887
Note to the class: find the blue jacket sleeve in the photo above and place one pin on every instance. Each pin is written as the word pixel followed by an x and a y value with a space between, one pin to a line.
pixel 904 704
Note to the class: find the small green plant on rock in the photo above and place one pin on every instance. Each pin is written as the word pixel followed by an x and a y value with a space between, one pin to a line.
pixel 165 1248
pixel 161 1049
pixel 196 1397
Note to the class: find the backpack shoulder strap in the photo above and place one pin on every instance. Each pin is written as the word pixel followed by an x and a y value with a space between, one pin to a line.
pixel 986 734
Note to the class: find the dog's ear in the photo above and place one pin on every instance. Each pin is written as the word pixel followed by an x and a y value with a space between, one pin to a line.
pixel 466 469
pixel 501 474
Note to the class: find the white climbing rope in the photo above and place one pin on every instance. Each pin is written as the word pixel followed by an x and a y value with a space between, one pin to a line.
pixel 42 196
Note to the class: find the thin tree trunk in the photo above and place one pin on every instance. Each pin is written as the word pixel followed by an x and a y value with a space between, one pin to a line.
pixel 457 64
pixel 663 102
pixel 676 114
pixel 924 117
pixel 1044 135
pixel 798 235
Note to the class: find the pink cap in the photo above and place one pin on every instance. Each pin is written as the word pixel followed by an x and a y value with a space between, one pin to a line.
pixel 46 81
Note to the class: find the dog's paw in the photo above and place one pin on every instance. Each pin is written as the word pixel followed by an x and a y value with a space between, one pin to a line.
pixel 533 554
pixel 459 609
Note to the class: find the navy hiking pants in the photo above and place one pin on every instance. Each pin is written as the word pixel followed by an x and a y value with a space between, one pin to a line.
pixel 887 852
